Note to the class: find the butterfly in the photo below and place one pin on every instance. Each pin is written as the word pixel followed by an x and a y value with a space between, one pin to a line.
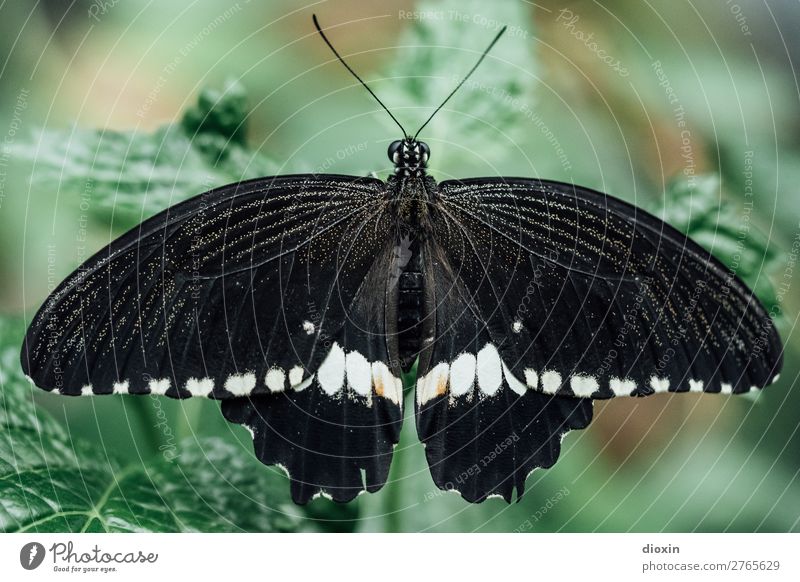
pixel 299 302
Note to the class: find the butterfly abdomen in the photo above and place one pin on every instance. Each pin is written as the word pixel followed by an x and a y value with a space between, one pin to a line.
pixel 410 301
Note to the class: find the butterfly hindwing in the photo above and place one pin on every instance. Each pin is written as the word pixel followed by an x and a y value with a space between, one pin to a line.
pixel 483 431
pixel 254 294
pixel 545 296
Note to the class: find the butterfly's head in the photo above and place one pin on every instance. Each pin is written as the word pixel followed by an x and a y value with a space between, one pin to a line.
pixel 409 156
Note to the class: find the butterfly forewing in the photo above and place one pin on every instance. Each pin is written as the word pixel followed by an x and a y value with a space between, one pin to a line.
pixel 609 298
pixel 260 294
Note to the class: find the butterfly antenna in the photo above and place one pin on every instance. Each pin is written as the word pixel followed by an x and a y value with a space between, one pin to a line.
pixel 464 80
pixel 352 72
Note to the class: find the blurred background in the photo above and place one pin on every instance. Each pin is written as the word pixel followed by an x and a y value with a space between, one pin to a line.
pixel 114 109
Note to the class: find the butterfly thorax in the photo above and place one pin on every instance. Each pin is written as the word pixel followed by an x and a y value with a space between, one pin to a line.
pixel 411 189
pixel 411 198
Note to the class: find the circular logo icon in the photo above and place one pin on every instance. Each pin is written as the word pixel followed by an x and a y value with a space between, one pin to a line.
pixel 31 555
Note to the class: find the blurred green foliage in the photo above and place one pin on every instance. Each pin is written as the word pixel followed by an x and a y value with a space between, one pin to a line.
pixel 694 208
pixel 541 105
pixel 131 175
pixel 50 481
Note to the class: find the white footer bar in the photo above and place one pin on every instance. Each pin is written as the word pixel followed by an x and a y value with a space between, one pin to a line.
pixel 400 557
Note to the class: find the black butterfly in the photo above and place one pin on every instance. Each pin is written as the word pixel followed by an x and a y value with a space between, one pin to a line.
pixel 298 301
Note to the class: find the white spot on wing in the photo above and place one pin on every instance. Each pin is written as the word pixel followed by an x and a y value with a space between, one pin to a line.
pixel 202 387
pixel 695 385
pixel 304 384
pixel 462 374
pixel 159 386
pixel 359 373
pixel 551 381
pixel 240 384
pixel 386 384
pixel 309 327
pixel 516 326
pixel 121 387
pixel 659 384
pixel 583 385
pixel 275 379
pixel 621 387
pixel 87 390
pixel 726 388
pixel 512 381
pixel 531 378
pixel 296 381
pixel 295 376
pixel 331 372
pixel 489 370
pixel 433 384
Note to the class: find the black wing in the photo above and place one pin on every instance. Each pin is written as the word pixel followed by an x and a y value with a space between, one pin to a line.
pixel 270 295
pixel 545 295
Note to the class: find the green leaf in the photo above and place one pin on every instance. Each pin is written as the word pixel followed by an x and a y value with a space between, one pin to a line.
pixel 440 46
pixel 51 482
pixel 697 209
pixel 130 175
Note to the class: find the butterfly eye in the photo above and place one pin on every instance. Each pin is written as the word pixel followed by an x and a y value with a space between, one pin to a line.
pixel 426 151
pixel 394 150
